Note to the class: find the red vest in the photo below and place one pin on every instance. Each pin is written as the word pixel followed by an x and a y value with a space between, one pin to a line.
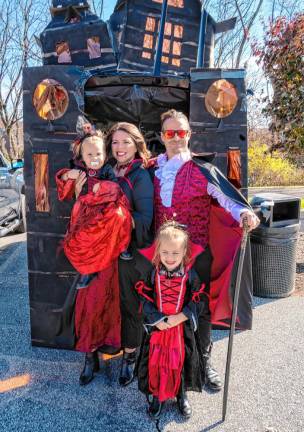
pixel 190 203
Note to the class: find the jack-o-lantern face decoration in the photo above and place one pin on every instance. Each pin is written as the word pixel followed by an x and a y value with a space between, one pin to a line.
pixel 221 98
pixel 50 99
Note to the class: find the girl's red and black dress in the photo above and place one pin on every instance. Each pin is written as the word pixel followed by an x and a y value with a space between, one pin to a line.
pixel 168 356
pixel 99 230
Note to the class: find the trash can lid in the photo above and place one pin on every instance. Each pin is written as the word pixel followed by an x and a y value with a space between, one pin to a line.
pixel 272 196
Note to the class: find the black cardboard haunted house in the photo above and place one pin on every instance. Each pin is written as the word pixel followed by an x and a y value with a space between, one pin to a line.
pixel 108 72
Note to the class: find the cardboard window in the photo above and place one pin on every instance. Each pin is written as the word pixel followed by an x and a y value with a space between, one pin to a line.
pixel 176 62
pixel 93 44
pixel 146 55
pixel 63 52
pixel 150 24
pixel 174 3
pixel 178 31
pixel 177 48
pixel 166 46
pixel 168 29
pixel 234 168
pixel 50 99
pixel 41 171
pixel 148 41
pixel 221 98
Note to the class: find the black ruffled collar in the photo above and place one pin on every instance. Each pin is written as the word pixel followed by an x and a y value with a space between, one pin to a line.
pixel 177 272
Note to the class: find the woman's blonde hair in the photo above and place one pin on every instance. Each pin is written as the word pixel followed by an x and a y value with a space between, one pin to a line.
pixel 172 113
pixel 77 145
pixel 172 230
pixel 135 135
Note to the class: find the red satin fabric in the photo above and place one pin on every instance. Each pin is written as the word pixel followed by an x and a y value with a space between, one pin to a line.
pixel 166 359
pixel 65 189
pixel 100 229
pixel 225 236
pixel 97 312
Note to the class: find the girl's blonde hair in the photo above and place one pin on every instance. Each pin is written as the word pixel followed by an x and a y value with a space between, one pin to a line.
pixel 172 230
pixel 77 145
pixel 135 135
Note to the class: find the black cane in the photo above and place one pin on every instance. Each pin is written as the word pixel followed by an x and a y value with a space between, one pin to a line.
pixel 234 313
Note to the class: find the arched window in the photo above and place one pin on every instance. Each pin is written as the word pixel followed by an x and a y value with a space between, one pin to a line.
pixel 41 171
pixel 93 44
pixel 63 52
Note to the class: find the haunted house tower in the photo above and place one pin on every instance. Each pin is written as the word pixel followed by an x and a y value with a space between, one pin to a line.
pixel 76 36
pixel 136 25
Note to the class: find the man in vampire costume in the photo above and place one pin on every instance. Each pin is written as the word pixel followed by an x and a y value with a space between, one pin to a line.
pixel 193 192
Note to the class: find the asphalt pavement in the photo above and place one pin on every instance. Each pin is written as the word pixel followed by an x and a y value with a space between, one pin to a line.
pixel 39 389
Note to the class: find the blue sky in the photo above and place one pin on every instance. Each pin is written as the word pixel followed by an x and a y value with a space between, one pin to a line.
pixel 108 8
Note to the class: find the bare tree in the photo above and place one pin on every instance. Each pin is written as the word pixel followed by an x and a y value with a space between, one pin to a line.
pixel 97 6
pixel 19 21
pixel 232 48
pixel 286 8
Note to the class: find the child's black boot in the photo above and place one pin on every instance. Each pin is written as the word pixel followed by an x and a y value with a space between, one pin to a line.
pixel 183 402
pixel 155 408
pixel 91 365
pixel 127 368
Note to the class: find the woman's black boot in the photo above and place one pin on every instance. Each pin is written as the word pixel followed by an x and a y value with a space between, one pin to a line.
pixel 127 368
pixel 91 365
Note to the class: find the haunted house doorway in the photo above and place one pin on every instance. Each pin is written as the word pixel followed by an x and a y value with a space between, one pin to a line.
pixel 137 100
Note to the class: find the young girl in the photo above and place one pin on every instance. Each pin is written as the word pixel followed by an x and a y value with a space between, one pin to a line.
pixel 99 230
pixel 172 295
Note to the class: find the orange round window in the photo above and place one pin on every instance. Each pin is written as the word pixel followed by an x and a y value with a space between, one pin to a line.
pixel 221 98
pixel 50 99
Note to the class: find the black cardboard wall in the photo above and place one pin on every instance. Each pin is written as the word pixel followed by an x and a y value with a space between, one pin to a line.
pixel 50 273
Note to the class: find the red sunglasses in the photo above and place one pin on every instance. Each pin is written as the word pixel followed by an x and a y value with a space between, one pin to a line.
pixel 170 133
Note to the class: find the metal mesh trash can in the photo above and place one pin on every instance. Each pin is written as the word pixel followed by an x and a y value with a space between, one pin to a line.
pixel 273 245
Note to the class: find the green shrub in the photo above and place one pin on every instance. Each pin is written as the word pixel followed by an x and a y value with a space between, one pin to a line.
pixel 271 169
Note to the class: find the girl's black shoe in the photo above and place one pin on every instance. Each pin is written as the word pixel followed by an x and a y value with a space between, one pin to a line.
pixel 127 368
pixel 91 365
pixel 182 400
pixel 155 408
